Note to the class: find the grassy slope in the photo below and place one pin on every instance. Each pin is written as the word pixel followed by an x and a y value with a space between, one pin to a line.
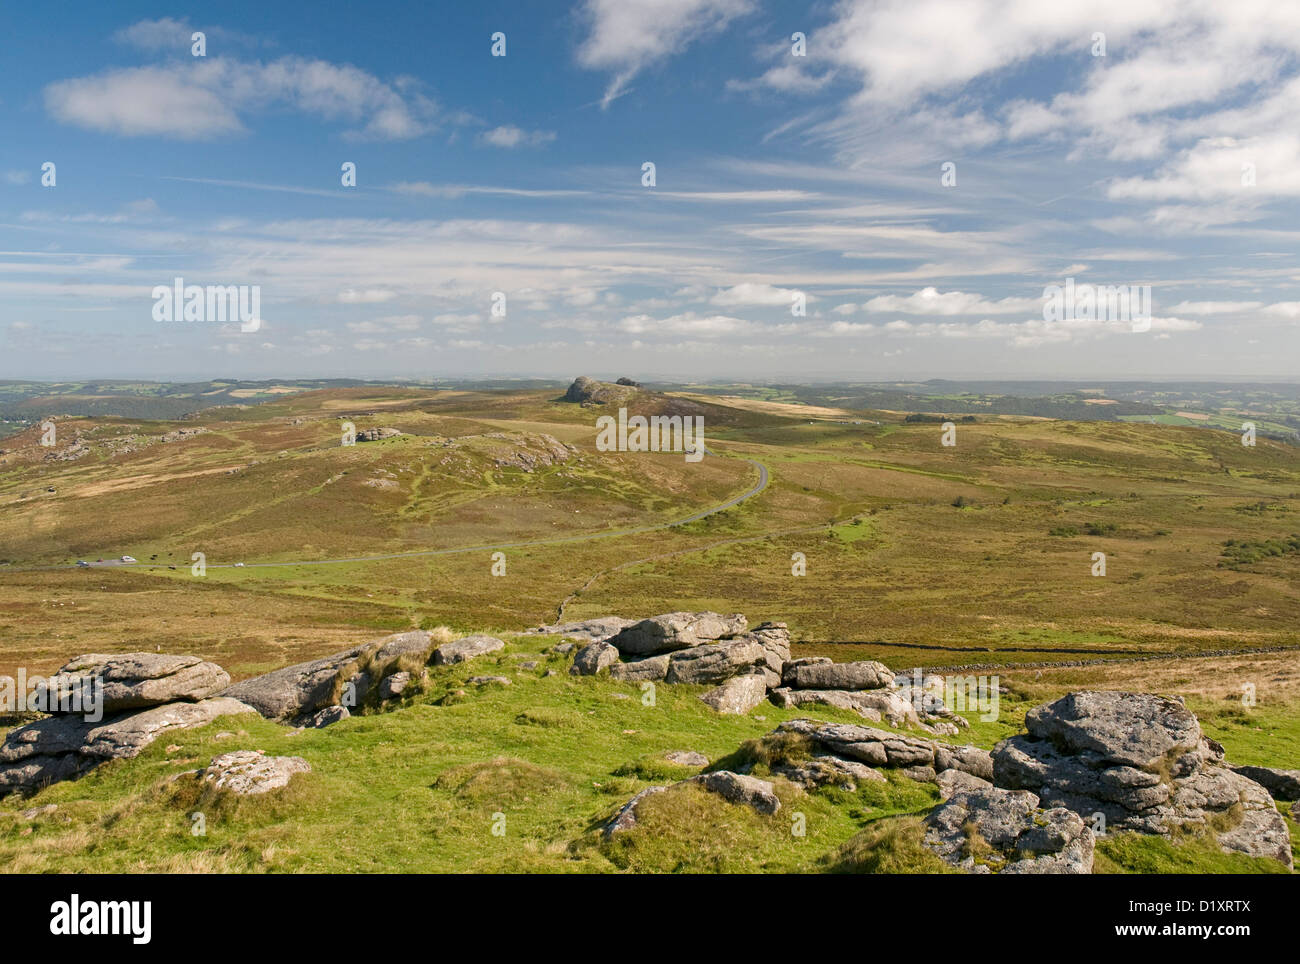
pixel 420 789
pixel 895 571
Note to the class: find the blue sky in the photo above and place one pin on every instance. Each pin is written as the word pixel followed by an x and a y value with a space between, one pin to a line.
pixel 1173 160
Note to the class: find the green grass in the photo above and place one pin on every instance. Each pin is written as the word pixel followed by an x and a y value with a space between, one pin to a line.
pixel 916 555
pixel 1131 853
pixel 519 778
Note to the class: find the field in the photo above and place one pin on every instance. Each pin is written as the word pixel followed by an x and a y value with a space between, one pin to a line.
pixel 546 761
pixel 917 554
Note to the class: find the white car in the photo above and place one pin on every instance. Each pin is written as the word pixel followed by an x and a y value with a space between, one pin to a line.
pixel 128 558
pixel 239 565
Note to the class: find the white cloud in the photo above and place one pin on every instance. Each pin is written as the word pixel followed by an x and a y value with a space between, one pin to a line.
pixel 1284 309
pixel 626 37
pixel 205 99
pixel 788 78
pixel 749 293
pixel 387 323
pixel 685 324
pixel 509 136
pixel 930 301
pixel 142 101
pixel 369 296
pixel 1216 169
pixel 1214 307
pixel 163 34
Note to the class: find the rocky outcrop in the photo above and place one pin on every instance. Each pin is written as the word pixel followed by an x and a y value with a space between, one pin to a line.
pixel 708 663
pixel 587 391
pixel 868 688
pixel 989 830
pixel 926 695
pixel 715 662
pixel 394 686
pixel 57 748
pixel 249 772
pixel 673 631
pixel 652 669
pixel 707 648
pixel 686 758
pixel 467 647
pixel 301 689
pixel 737 695
pixel 874 705
pixel 298 693
pixel 127 735
pixel 739 788
pixel 528 452
pixel 415 644
pixel 1126 729
pixel 819 673
pixel 591 659
pixel 953 781
pixel 587 630
pixel 1141 762
pixel 626 818
pixel 1281 784
pixel 378 433
pixel 135 680
pixel 774 638
pixel 327 717
pixel 917 756
pixel 823 769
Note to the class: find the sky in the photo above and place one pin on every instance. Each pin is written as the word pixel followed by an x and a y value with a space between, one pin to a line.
pixel 852 190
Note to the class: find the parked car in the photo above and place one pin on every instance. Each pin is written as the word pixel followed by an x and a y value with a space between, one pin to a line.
pixel 83 563
pixel 128 558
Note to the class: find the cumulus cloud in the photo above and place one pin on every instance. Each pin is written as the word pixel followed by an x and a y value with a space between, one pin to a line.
pixel 933 73
pixel 749 293
pixel 930 301
pixel 1221 168
pixel 207 98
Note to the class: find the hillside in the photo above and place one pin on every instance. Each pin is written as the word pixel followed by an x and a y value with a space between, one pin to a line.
pixel 981 552
pixel 493 512
pixel 513 760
